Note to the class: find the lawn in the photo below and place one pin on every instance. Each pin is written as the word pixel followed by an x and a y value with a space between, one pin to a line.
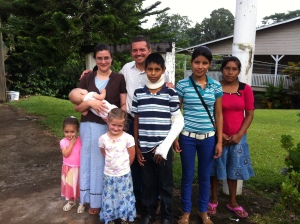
pixel 264 138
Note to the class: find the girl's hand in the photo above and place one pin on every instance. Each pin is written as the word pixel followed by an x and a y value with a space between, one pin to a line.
pixel 218 150
pixel 73 139
pixel 176 146
pixel 235 139
pixel 226 140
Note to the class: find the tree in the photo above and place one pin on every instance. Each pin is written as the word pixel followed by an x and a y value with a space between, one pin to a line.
pixel 220 24
pixel 293 70
pixel 2 72
pixel 279 17
pixel 195 34
pixel 47 36
pixel 176 27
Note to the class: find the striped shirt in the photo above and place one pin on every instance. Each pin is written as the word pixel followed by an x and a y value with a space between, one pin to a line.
pixel 196 118
pixel 134 78
pixel 154 112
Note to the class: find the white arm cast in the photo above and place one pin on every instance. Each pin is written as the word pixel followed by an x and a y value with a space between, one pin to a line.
pixel 176 127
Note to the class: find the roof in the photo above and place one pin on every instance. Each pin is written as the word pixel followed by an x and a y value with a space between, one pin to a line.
pixel 261 29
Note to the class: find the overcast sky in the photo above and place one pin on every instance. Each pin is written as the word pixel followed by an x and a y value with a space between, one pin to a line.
pixel 198 10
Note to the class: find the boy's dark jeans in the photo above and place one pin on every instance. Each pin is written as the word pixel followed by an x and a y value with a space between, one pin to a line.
pixel 158 177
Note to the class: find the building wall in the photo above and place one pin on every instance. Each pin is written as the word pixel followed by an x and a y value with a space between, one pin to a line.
pixel 282 39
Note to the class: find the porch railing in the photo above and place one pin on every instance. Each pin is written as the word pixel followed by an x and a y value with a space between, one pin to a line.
pixel 258 80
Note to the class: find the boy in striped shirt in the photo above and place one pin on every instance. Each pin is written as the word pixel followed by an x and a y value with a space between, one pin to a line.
pixel 157 122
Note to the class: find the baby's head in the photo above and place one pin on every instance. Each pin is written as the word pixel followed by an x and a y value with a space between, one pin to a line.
pixel 77 95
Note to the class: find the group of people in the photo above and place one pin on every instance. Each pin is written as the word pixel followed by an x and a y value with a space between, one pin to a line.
pixel 133 119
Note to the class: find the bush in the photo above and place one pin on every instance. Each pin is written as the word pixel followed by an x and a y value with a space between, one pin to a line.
pixel 290 189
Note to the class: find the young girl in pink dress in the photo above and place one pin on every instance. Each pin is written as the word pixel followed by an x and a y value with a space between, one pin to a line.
pixel 117 148
pixel 70 147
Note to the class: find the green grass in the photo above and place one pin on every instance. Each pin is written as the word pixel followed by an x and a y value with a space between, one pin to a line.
pixel 267 155
pixel 263 136
pixel 51 110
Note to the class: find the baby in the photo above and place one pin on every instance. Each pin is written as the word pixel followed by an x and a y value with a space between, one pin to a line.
pixel 78 95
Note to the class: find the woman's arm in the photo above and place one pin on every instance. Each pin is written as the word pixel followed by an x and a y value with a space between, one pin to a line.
pixel 235 139
pixel 123 97
pixel 97 105
pixel 219 127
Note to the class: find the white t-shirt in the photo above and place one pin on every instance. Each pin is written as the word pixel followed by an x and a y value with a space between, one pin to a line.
pixel 117 161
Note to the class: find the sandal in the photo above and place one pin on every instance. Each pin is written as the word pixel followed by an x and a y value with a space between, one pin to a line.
pixel 69 205
pixel 94 211
pixel 184 219
pixel 212 208
pixel 158 208
pixel 204 218
pixel 239 211
pixel 80 208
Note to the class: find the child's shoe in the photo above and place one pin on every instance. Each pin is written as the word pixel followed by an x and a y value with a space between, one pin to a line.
pixel 69 205
pixel 80 208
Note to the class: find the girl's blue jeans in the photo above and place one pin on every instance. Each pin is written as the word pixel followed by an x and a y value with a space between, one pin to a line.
pixel 205 150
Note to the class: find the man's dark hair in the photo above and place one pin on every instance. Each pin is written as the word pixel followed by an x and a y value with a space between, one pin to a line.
pixel 141 38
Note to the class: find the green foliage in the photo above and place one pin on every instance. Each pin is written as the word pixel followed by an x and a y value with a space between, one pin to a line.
pixel 276 97
pixel 292 161
pixel 176 26
pixel 279 17
pixel 220 24
pixel 290 189
pixel 290 195
pixel 46 37
pixel 293 70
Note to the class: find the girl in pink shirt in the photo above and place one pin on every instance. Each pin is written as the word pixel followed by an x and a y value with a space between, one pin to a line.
pixel 70 147
pixel 235 162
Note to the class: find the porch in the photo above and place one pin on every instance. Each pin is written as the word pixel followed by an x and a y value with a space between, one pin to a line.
pixel 258 81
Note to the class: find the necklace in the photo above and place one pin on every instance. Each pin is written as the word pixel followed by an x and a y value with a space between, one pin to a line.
pixel 202 84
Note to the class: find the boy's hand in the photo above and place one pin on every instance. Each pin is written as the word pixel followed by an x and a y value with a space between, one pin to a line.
pixel 84 72
pixel 139 156
pixel 158 159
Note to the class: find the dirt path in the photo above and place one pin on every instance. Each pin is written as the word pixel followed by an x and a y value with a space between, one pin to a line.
pixel 30 164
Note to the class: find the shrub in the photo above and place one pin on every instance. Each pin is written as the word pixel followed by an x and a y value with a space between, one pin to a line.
pixel 290 189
